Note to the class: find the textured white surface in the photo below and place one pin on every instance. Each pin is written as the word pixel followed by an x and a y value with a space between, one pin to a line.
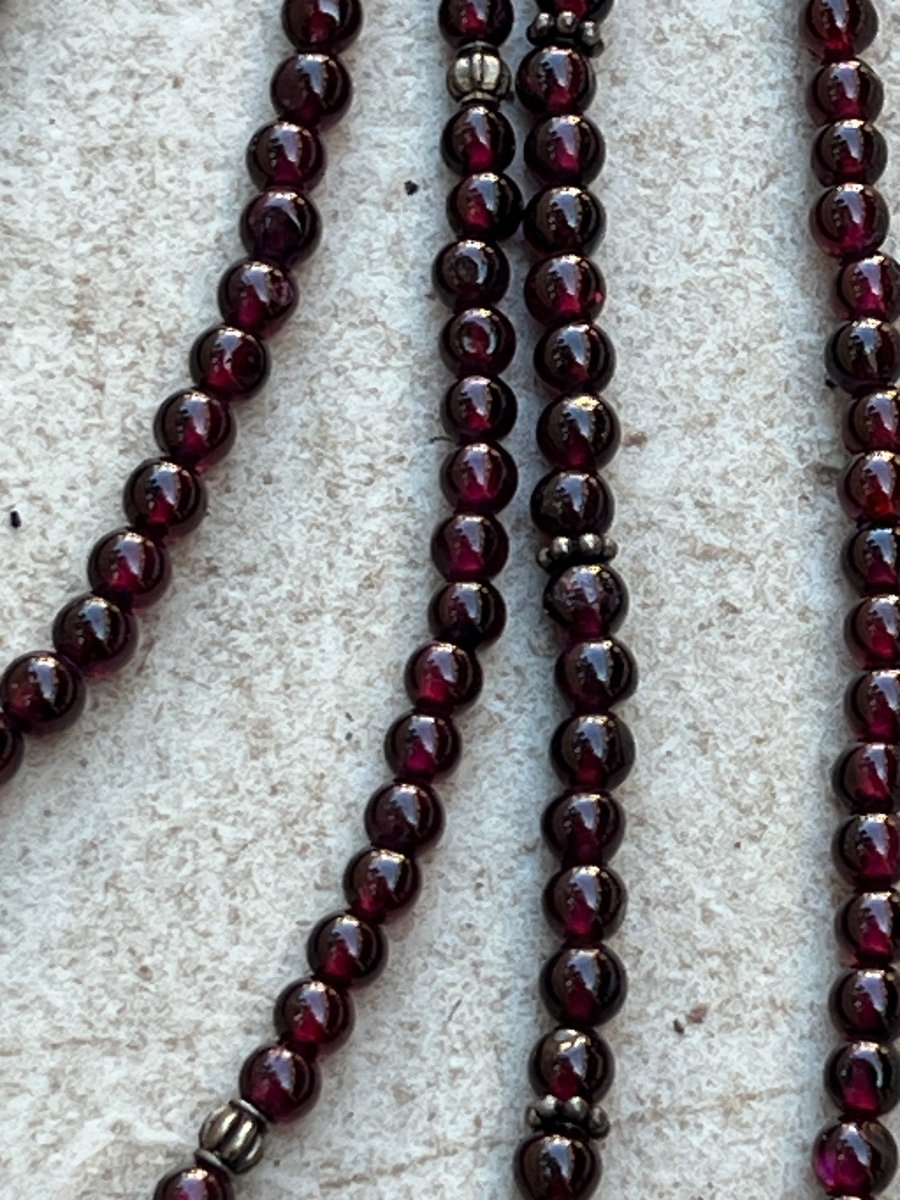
pixel 160 866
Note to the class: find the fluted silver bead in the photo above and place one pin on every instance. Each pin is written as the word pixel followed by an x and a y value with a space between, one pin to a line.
pixel 549 1111
pixel 478 73
pixel 234 1135
pixel 587 547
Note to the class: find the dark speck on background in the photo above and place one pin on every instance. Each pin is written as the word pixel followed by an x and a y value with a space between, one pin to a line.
pixel 14 519
pixel 410 188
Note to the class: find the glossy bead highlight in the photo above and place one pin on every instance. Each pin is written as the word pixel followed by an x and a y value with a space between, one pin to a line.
pixel 164 498
pixel 95 634
pixel 346 951
pixel 312 1017
pixel 129 567
pixel 194 429
pixel 280 1083
pixel 41 693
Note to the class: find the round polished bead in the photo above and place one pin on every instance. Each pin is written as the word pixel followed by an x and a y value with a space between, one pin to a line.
pixel 583 827
pixel 854 1157
pixel 404 816
pixel 311 89
pixel 565 287
pixel 838 28
pixel 95 634
pixel 868 287
pixel 485 205
pixel 846 90
pixel 562 219
pixel 470 272
pixel 280 225
pixel 584 985
pixel 865 1003
pixel 312 1017
pixel 863 1078
pixel 867 928
pixel 380 884
pixel 257 297
pixel 164 498
pixel 871 487
pixel 283 154
pixel 469 546
pixel 866 850
pixel 565 148
pixel 580 431
pixel 872 631
pixel 279 1083
pixel 575 355
pixel 443 676
pixel 477 407
pixel 421 745
pixel 202 1181
pixel 229 362
pixel 584 904
pixel 555 79
pixel 572 1064
pixel 346 951
pixel 569 503
pixel 479 477
pixel 478 138
pixel 42 693
pixel 194 429
pixel 11 749
pixel 863 354
pixel 872 421
pixel 866 778
pixel 478 341
pixel 470 613
pixel 588 599
pixel 129 567
pixel 466 21
pixel 594 675
pixel 556 1166
pixel 850 220
pixel 849 152
pixel 872 706
pixel 871 559
pixel 592 750
pixel 321 24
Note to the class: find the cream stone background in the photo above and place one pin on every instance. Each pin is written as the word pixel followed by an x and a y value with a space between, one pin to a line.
pixel 161 865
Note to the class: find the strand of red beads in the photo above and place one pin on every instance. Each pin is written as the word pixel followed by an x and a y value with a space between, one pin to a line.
pixel 165 498
pixel 854 1155
pixel 583 983
pixel 279 1081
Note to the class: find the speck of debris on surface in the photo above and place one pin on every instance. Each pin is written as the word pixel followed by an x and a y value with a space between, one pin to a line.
pixel 15 520
pixel 698 1014
pixel 410 188
pixel 677 1026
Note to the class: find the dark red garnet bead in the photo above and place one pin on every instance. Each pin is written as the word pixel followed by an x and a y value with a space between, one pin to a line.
pixel 421 745
pixel 584 985
pixel 863 1078
pixel 312 1017
pixel 595 675
pixel 280 225
pixel 871 487
pixel 863 354
pixel 478 138
pixel 95 634
pixel 478 341
pixel 466 21
pixel 573 356
pixel 872 631
pixel 865 1003
pixel 572 1064
pixel 838 28
pixel 583 827
pixel 129 567
pixel 442 676
pixel 846 90
pixel 872 421
pixel 588 599
pixel 311 89
pixel 477 407
pixel 164 498
pixel 404 816
pixel 563 219
pixel 229 362
pixel 321 24
pixel 853 1158
pixel 469 612
pixel 11 749
pixel 485 205
pixel 194 428
pixel 479 477
pixel 565 287
pixel 872 706
pixel 346 951
pixel 470 272
pixel 580 431
pixel 199 1182
pixel 568 503
pixel 257 297
pixel 283 154
pixel 555 79
pixel 866 850
pixel 868 287
pixel 850 220
pixel 469 546
pixel 849 152
pixel 868 928
pixel 279 1082
pixel 565 148
pixel 592 750
pixel 871 559
pixel 556 1166
pixel 42 693
pixel 380 884
pixel 585 904
pixel 866 778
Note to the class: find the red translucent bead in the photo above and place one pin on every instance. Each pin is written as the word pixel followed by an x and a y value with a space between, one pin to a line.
pixel 565 148
pixel 868 928
pixel 868 287
pixel 199 1182
pixel 42 693
pixel 443 676
pixel 871 559
pixel 555 79
pixel 468 612
pixel 865 1003
pixel 95 634
pixel 283 154
pixel 863 354
pixel 478 138
pixel 404 816
pixel 578 431
pixel 575 355
pixel 129 567
pixel 838 28
pixel 163 498
pixel 568 503
pixel 470 272
pixel 563 288
pixel 280 225
pixel 257 297
pixel 572 1064
pixel 866 850
pixel 312 1017
pixel 849 152
pixel 469 546
pixel 872 631
pixel 421 745
pixel 563 219
pixel 380 884
pixel 588 599
pixel 592 750
pixel 478 341
pixel 871 487
pixel 872 421
pixel 584 904
pixel 464 21
pixel 851 1157
pixel 583 827
pixel 311 89
pixel 485 205
pixel 194 429
pixel 556 1166
pixel 477 407
pixel 866 778
pixel 229 362
pixel 479 477
pixel 594 675
pixel 863 1079
pixel 346 951
pixel 11 749
pixel 321 24
pixel 586 985
pixel 872 706
pixel 279 1082
pixel 845 90
pixel 850 220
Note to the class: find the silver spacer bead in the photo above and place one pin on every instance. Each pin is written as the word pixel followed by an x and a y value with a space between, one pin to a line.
pixel 479 73
pixel 234 1136
pixel 588 38
pixel 566 29
pixel 578 1114
pixel 587 547
pixel 542 29
pixel 566 24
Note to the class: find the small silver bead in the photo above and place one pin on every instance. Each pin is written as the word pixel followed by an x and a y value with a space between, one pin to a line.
pixel 587 547
pixel 597 1123
pixel 577 1113
pixel 596 547
pixel 479 73
pixel 566 24
pixel 556 552
pixel 234 1136
pixel 589 37
pixel 541 29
